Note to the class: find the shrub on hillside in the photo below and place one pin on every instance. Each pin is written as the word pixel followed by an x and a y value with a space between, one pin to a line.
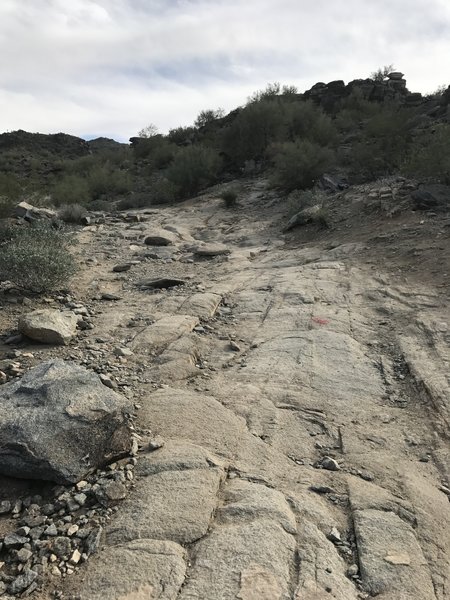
pixel 72 213
pixel 297 165
pixel 229 197
pixel 193 168
pixel 71 189
pixel 430 155
pixel 105 182
pixel 257 126
pixel 9 194
pixel 305 120
pixel 36 258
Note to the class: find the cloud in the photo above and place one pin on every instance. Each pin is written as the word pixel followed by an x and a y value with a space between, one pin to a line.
pixel 109 67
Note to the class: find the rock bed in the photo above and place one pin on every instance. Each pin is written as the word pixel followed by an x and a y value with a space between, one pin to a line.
pixel 53 537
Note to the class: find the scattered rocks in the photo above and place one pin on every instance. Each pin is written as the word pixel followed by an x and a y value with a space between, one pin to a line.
pixel 49 326
pixel 59 423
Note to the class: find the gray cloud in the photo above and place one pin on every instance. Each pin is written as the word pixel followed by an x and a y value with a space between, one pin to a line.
pixel 109 67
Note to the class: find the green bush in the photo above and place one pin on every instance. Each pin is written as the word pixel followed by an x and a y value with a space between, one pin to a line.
pixel 193 168
pixel 71 189
pixel 305 120
pixel 230 197
pixel 37 257
pixel 104 182
pixel 182 136
pixel 10 191
pixel 298 164
pixel 430 155
pixel 257 126
pixel 72 213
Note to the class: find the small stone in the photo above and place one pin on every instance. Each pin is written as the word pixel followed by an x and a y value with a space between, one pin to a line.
pixel 5 507
pixel 51 530
pixel 61 547
pixel 156 443
pixel 75 558
pixel 80 499
pixel 93 541
pixel 235 347
pixel 352 571
pixel 126 352
pixel 122 268
pixel 335 535
pixel 72 530
pixel 398 559
pixel 22 582
pixel 24 554
pixel 329 464
pixel 13 540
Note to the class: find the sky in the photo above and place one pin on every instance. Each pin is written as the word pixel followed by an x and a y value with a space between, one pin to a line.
pixel 111 67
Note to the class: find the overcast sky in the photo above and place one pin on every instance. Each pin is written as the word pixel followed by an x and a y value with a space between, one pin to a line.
pixel 110 67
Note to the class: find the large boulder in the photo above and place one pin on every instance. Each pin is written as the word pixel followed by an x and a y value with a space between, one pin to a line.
pixel 59 423
pixel 31 213
pixel 49 326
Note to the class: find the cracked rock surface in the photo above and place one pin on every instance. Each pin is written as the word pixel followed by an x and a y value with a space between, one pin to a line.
pixel 291 403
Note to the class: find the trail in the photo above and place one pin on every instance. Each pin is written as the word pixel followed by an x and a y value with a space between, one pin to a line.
pixel 300 392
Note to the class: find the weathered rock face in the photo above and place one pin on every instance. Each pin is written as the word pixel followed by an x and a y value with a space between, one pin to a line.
pixel 49 326
pixel 59 422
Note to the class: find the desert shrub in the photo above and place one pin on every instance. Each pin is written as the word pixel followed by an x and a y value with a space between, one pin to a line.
pixel 208 116
pixel 182 136
pixel 307 121
pixel 10 190
pixel 72 213
pixel 297 200
pixel 229 197
pixel 193 168
pixel 383 144
pixel 103 181
pixel 36 258
pixel 430 155
pixel 257 126
pixel 298 164
pixel 70 189
pixel 158 150
pixel 163 191
pixel 381 73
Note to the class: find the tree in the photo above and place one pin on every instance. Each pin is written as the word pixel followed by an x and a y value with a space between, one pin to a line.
pixel 208 116
pixel 149 131
pixel 381 74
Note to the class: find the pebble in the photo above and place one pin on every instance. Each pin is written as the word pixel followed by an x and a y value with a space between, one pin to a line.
pixel 330 464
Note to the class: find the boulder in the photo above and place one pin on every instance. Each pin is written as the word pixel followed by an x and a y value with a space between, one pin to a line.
pixel 30 212
pixel 59 423
pixel 159 237
pixel 305 216
pixel 49 326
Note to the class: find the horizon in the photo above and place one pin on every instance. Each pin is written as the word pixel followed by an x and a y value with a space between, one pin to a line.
pixel 100 69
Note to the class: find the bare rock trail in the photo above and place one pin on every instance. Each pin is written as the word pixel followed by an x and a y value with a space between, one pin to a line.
pixel 292 402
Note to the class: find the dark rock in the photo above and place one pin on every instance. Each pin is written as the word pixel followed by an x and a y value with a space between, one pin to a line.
pixel 59 423
pixel 159 284
pixel 22 582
